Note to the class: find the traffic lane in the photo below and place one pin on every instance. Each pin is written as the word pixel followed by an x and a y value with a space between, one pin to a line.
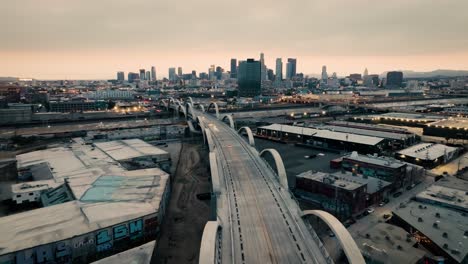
pixel 278 220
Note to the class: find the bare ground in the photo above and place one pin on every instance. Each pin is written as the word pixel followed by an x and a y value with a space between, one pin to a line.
pixel 186 216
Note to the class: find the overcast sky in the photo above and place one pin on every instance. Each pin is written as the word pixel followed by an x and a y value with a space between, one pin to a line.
pixel 92 39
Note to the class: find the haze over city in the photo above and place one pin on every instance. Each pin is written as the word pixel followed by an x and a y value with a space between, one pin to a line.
pixel 53 39
pixel 249 131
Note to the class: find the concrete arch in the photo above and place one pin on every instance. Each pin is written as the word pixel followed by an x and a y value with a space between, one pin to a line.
pixel 180 108
pixel 202 107
pixel 208 243
pixel 190 100
pixel 189 109
pixel 209 139
pixel 231 120
pixel 215 105
pixel 249 135
pixel 280 170
pixel 348 244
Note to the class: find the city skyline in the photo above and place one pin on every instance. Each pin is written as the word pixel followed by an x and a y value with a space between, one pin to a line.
pixel 347 36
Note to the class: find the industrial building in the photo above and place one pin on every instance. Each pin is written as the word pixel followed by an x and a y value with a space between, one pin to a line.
pixel 385 243
pixel 405 119
pixel 321 138
pixel 456 128
pixel 135 153
pixel 387 169
pixel 437 217
pixel 342 193
pixel 98 209
pixel 428 155
pixel 397 138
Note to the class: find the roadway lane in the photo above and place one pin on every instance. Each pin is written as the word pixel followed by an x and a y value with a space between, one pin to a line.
pixel 265 222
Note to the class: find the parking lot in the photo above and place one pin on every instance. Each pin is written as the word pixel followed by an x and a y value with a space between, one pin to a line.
pixel 294 157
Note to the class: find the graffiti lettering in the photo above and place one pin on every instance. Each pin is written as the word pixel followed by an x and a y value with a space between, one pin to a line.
pixel 120 231
pixel 103 236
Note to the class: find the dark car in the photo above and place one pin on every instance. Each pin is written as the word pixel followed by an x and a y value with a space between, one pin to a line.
pixel 397 194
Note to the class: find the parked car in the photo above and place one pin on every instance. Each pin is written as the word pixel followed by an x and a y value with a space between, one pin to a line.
pixel 386 216
pixel 370 210
pixel 397 194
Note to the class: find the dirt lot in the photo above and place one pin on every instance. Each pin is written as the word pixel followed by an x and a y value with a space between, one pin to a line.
pixel 182 227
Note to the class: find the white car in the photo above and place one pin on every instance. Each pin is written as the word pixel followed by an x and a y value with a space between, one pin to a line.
pixel 370 210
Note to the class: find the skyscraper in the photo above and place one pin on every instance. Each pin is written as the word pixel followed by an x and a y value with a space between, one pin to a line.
pixel 153 73
pixel 249 78
pixel 394 79
pixel 148 76
pixel 271 75
pixel 233 68
pixel 279 70
pixel 133 76
pixel 211 73
pixel 179 71
pixel 142 74
pixel 324 73
pixel 120 76
pixel 263 67
pixel 172 74
pixel 366 72
pixel 291 68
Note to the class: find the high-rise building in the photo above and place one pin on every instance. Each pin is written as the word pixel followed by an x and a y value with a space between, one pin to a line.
pixel 263 69
pixel 366 72
pixel 133 76
pixel 142 74
pixel 219 72
pixel 291 68
pixel 172 74
pixel 334 76
pixel 249 78
pixel 194 74
pixel 148 76
pixel 233 68
pixel 279 70
pixel 324 73
pixel 211 73
pixel 120 76
pixel 271 75
pixel 179 71
pixel 394 79
pixel 153 73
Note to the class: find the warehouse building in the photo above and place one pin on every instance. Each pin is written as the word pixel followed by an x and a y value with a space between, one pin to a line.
pixel 322 138
pixel 110 209
pixel 387 169
pixel 385 243
pixel 136 153
pixel 341 193
pixel 437 217
pixel 395 140
pixel 456 128
pixel 405 119
pixel 428 155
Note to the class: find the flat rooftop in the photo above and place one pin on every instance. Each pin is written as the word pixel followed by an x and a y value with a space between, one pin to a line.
pixel 369 126
pixel 33 186
pixel 120 150
pixel 106 203
pixel 378 247
pixel 367 132
pixel 325 134
pixel 451 123
pixel 380 161
pixel 345 180
pixel 428 151
pixel 451 222
pixel 445 196
pixel 137 255
pixel 408 117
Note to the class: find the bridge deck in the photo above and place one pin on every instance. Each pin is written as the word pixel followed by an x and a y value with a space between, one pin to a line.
pixel 261 223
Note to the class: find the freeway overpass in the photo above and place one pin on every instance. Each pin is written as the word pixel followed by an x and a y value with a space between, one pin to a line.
pixel 257 218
